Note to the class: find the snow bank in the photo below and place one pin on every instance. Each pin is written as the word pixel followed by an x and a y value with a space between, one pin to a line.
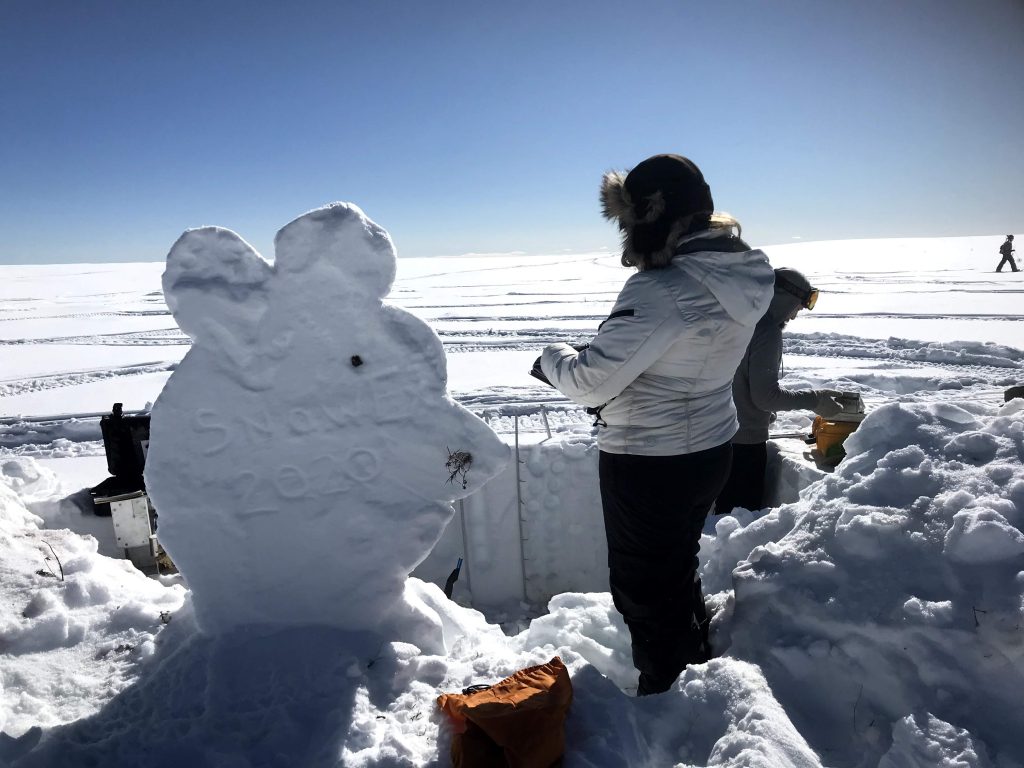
pixel 74 625
pixel 304 454
pixel 885 607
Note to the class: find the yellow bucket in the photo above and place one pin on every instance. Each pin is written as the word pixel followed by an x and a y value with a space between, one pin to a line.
pixel 829 436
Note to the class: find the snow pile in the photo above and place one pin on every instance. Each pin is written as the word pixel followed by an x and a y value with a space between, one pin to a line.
pixel 885 607
pixel 29 482
pixel 74 625
pixel 304 454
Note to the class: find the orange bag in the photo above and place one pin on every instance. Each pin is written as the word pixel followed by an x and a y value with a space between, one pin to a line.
pixel 518 723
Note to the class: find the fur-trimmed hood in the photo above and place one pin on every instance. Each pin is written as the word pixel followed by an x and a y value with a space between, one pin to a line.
pixel 617 203
pixel 654 204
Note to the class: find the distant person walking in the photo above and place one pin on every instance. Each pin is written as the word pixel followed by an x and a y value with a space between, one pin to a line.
pixel 1006 250
pixel 757 394
pixel 659 372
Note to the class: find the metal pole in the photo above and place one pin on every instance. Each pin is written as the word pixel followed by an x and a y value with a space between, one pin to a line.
pixel 465 547
pixel 544 414
pixel 519 508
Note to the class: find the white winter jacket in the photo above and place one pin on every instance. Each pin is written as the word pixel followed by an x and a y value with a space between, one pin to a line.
pixel 662 364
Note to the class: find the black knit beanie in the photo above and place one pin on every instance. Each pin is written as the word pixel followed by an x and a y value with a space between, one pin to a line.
pixel 796 280
pixel 653 196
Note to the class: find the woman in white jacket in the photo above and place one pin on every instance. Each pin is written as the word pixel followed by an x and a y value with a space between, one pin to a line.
pixel 660 372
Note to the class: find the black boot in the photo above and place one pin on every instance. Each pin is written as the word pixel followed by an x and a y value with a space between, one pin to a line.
pixel 650 684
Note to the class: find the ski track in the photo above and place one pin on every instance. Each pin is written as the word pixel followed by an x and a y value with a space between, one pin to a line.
pixel 531 409
pixel 1000 316
pixel 998 368
pixel 158 337
pixel 91 315
pixel 75 378
pixel 988 291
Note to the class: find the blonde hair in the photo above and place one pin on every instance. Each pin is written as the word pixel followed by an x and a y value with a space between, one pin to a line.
pixel 723 220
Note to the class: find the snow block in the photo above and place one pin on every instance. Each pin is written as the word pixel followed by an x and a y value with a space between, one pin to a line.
pixel 304 454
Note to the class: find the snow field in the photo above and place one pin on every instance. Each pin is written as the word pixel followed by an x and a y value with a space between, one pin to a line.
pixel 873 619
pixel 940 290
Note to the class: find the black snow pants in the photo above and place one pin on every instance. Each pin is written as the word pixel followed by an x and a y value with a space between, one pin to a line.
pixel 745 486
pixel 1007 259
pixel 654 511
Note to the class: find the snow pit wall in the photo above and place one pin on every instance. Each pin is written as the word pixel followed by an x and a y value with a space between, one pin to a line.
pixel 548 538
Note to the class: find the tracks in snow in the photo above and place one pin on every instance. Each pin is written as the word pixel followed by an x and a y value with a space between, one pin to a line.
pixel 76 378
pixel 949 372
pixel 155 338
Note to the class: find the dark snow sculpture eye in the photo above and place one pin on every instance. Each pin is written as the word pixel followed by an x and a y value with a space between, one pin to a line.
pixel 356 361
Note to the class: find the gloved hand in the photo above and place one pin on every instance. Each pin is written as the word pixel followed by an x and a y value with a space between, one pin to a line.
pixel 827 405
pixel 538 373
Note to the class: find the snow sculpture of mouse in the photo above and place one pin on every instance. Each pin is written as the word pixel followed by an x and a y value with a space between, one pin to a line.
pixel 304 454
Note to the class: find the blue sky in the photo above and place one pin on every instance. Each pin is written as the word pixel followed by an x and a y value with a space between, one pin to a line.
pixel 480 126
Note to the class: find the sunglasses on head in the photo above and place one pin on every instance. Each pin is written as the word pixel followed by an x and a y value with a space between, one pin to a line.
pixel 807 298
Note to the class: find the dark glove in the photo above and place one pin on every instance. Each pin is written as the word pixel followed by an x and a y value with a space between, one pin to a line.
pixel 827 405
pixel 538 373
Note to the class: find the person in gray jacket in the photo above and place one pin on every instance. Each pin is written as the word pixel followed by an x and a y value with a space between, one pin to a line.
pixel 659 373
pixel 758 396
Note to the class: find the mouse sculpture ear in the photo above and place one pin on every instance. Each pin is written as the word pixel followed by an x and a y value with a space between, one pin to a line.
pixel 341 243
pixel 215 284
